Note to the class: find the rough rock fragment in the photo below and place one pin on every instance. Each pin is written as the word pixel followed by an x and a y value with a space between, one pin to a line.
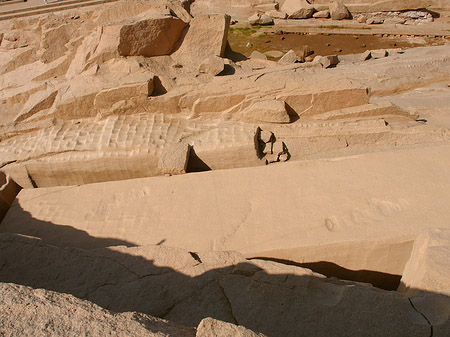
pixel 374 21
pixel 378 53
pixel 270 111
pixel 174 158
pixel 260 19
pixel 297 9
pixel 150 37
pixel 277 15
pixel 210 327
pixel 338 11
pixel 289 57
pixel 8 191
pixel 206 37
pixel 366 55
pixel 258 55
pixel 322 14
pixel 25 311
pixel 213 65
pixel 327 61
pixel 428 268
pixel 394 21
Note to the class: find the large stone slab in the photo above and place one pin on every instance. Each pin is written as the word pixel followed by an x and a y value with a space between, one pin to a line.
pixel 307 211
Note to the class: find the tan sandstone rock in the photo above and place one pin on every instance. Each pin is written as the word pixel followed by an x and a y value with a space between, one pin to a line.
pixel 269 111
pixel 297 9
pixel 289 58
pixel 210 327
pixel 212 65
pixel 174 159
pixel 27 311
pixel 206 37
pixel 428 268
pixel 8 192
pixel 338 11
pixel 150 37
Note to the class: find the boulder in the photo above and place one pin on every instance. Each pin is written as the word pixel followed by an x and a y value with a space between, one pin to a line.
pixel 297 9
pixel 378 53
pixel 327 61
pixel 288 58
pixel 362 18
pixel 270 111
pixel 306 51
pixel 210 327
pixel 150 37
pixel 374 21
pixel 274 53
pixel 428 268
pixel 41 312
pixel 212 65
pixel 366 55
pixel 174 158
pixel 206 37
pixel 257 55
pixel 339 11
pixel 260 19
pixel 322 14
pixel 277 15
pixel 394 21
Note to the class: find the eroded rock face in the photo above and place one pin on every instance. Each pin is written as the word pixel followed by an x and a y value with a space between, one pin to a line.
pixel 150 37
pixel 27 311
pixel 187 287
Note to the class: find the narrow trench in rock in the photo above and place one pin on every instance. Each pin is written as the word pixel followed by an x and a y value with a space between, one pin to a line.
pixel 329 269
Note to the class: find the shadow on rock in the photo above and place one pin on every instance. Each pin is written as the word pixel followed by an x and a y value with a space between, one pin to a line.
pixel 185 287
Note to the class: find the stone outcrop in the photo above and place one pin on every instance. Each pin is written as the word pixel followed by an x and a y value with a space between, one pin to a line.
pixel 297 9
pixel 27 311
pixel 187 287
